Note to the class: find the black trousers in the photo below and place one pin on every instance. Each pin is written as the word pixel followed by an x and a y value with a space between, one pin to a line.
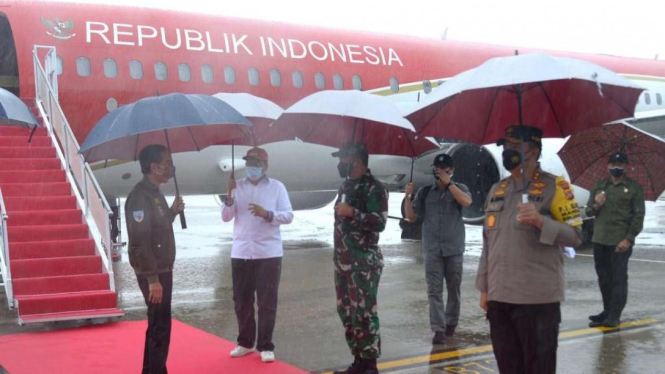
pixel 158 334
pixel 260 277
pixel 612 271
pixel 524 336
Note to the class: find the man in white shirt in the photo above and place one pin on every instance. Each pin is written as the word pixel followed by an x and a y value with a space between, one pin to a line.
pixel 259 205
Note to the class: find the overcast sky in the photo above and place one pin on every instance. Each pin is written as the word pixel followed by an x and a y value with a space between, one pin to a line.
pixel 627 28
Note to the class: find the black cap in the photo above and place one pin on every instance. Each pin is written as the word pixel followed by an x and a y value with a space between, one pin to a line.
pixel 443 161
pixel 351 149
pixel 618 158
pixel 516 133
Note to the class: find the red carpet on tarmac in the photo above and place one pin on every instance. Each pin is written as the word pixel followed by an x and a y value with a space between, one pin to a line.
pixel 118 348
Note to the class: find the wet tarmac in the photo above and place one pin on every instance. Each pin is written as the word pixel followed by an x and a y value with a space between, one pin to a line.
pixel 308 332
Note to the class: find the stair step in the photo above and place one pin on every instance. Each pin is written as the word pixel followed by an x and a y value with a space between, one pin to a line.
pixel 67 302
pixel 9 164
pixel 37 189
pixel 22 141
pixel 52 249
pixel 53 267
pixel 20 204
pixel 69 316
pixel 45 217
pixel 25 152
pixel 32 176
pixel 19 234
pixel 21 131
pixel 61 284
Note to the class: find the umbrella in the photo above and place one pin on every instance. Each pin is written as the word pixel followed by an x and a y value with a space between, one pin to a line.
pixel 333 118
pixel 261 113
pixel 14 112
pixel 561 96
pixel 585 156
pixel 181 122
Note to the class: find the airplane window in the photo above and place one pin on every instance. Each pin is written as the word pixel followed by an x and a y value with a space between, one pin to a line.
pixel 136 69
pixel 338 82
pixel 394 84
pixel 659 99
pixel 110 68
pixel 58 65
pixel 320 81
pixel 357 82
pixel 83 66
pixel 647 98
pixel 207 73
pixel 427 86
pixel 160 71
pixel 297 79
pixel 229 75
pixel 275 78
pixel 253 76
pixel 184 72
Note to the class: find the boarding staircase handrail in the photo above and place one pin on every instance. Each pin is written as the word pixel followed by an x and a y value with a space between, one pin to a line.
pixel 89 195
pixel 5 268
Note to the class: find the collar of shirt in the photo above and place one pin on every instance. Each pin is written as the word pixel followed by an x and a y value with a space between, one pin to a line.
pixel 536 176
pixel 148 184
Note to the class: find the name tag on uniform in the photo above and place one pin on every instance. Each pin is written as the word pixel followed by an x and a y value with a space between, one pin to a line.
pixel 537 199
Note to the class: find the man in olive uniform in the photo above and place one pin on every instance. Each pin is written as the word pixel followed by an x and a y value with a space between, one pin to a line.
pixel 520 275
pixel 152 250
pixel 617 202
pixel 361 211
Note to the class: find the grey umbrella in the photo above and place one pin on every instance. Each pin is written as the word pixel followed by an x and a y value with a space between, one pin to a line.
pixel 14 112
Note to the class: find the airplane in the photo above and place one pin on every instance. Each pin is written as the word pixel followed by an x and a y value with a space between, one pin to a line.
pixel 109 56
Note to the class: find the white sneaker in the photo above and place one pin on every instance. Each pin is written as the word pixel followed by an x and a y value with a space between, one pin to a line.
pixel 240 351
pixel 267 356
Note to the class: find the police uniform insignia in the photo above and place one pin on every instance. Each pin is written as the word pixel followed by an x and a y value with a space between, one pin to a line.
pixel 535 192
pixel 491 221
pixel 504 185
pixel 139 215
pixel 565 186
pixel 500 193
pixel 539 185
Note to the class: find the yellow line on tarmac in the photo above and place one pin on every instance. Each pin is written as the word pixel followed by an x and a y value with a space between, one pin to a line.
pixel 488 348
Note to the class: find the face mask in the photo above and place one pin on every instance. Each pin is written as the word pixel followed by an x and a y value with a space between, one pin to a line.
pixel 254 173
pixel 511 159
pixel 166 173
pixel 616 172
pixel 344 169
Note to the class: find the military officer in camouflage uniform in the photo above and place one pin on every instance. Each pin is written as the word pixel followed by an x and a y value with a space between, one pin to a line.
pixel 520 275
pixel 361 211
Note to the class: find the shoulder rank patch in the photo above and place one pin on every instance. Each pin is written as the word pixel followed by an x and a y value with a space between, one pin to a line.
pixel 491 221
pixel 499 193
pixel 139 215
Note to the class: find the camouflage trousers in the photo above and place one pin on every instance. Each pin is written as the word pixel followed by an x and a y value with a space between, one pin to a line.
pixel 356 306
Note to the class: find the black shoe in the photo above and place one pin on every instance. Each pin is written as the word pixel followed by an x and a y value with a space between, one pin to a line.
pixel 369 367
pixel 598 317
pixel 611 323
pixel 596 324
pixel 439 338
pixel 450 330
pixel 355 368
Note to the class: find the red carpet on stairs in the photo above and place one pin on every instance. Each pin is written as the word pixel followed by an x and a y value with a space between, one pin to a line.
pixel 55 271
pixel 118 348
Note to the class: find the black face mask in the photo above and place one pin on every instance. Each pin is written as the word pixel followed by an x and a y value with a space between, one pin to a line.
pixel 344 169
pixel 511 159
pixel 616 172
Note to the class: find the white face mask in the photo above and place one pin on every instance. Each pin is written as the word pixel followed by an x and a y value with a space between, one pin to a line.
pixel 254 173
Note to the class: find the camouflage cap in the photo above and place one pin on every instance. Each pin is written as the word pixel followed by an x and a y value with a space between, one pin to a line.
pixel 618 158
pixel 351 149
pixel 516 133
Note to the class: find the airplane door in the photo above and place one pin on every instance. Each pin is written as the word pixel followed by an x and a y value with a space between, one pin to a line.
pixel 8 60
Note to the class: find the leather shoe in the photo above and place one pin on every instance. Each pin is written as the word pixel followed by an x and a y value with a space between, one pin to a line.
pixel 598 317
pixel 450 330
